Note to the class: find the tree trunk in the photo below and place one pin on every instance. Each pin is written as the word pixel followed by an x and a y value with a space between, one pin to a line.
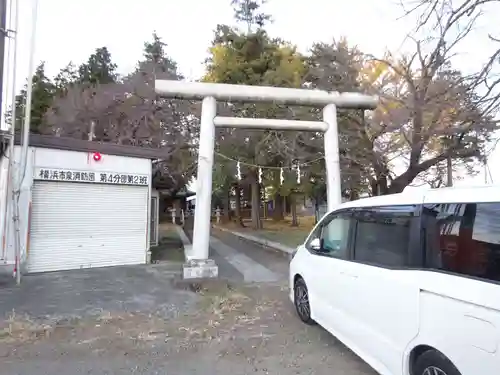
pixel 379 186
pixel 226 205
pixel 397 185
pixel 406 178
pixel 353 195
pixel 449 172
pixel 293 209
pixel 278 208
pixel 237 210
pixel 255 196
pixel 263 199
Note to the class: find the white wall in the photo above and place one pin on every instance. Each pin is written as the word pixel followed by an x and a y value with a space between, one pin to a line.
pixel 75 160
pixel 49 158
pixel 4 171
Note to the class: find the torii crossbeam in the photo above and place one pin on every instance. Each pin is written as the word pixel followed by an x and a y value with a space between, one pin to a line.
pixel 209 93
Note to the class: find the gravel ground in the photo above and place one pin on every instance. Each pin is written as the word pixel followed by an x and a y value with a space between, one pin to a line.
pixel 235 328
pixel 142 320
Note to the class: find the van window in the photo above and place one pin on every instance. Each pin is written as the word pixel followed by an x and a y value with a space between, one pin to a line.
pixel 383 235
pixel 463 238
pixel 333 233
pixel 335 237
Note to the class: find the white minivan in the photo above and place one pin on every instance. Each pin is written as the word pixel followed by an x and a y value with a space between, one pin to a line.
pixel 410 282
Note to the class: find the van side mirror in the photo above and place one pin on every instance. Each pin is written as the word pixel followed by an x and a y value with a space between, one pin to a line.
pixel 315 244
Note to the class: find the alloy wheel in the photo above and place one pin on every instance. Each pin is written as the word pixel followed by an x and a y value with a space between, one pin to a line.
pixel 302 302
pixel 432 370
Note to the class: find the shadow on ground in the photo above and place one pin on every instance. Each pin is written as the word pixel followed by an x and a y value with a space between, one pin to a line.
pixel 170 248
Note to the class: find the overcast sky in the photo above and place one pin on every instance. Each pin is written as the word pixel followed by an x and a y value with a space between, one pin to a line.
pixel 71 30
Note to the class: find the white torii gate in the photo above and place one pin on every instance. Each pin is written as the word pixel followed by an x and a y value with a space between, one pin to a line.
pixel 199 264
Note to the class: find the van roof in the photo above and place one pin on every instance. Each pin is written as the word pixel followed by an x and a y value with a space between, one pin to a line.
pixel 485 193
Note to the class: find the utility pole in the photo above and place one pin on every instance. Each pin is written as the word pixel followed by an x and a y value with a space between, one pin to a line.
pixel 488 178
pixel 3 38
pixel 92 131
pixel 23 160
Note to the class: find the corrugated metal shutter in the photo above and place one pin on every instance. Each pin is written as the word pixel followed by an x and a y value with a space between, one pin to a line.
pixel 87 225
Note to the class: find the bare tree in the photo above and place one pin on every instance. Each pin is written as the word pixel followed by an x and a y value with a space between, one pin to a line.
pixel 453 21
pixel 130 113
pixel 429 111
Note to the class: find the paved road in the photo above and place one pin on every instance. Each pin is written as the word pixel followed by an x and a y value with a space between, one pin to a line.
pixel 241 324
pixel 242 260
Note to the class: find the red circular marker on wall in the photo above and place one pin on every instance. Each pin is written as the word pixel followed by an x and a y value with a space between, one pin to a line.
pixel 97 156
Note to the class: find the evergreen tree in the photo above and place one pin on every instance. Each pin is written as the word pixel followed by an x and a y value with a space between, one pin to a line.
pixel 165 122
pixel 99 68
pixel 66 78
pixel 254 58
pixel 247 11
pixel 156 64
pixel 154 52
pixel 43 91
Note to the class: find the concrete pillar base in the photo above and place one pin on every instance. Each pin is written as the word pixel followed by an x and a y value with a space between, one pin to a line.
pixel 200 269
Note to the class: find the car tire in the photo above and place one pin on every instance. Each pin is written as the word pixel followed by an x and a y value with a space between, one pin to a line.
pixel 433 362
pixel 301 301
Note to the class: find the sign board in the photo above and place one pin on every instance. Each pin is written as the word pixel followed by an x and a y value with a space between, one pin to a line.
pixel 70 175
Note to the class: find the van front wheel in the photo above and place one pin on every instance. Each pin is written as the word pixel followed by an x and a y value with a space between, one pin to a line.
pixel 301 301
pixel 433 362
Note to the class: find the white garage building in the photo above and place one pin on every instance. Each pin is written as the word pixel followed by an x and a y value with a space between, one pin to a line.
pixel 83 204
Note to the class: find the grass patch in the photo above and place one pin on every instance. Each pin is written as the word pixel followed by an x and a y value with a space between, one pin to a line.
pixel 22 328
pixel 288 238
pixel 306 223
pixel 279 231
pixel 223 310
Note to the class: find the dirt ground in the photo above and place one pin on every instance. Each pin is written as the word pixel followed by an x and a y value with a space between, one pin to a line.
pixel 144 320
pixel 234 328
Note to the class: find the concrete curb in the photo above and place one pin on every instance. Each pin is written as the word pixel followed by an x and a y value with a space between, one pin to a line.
pixel 186 243
pixel 260 241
